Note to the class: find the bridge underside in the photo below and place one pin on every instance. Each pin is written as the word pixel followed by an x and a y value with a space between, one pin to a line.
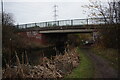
pixel 63 29
pixel 68 31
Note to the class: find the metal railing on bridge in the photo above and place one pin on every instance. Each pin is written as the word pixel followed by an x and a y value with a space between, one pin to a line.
pixel 73 22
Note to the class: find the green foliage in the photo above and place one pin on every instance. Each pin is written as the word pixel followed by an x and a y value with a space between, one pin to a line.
pixel 85 68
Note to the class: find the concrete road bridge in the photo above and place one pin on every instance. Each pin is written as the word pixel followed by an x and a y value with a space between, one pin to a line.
pixel 64 26
pixel 57 31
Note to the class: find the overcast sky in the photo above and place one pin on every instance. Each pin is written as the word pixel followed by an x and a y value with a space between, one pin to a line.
pixel 30 11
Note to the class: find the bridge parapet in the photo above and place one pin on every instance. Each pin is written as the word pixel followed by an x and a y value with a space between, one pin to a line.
pixel 60 23
pixel 73 22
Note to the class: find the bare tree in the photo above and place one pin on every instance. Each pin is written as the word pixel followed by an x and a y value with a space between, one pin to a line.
pixel 110 12
pixel 8 19
pixel 104 10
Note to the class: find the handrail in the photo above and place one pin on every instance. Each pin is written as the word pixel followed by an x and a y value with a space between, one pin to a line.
pixel 72 22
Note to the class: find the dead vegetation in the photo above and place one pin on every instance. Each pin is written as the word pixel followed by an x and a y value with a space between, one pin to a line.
pixel 56 67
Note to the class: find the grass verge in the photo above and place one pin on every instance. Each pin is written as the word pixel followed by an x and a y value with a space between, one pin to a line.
pixel 85 68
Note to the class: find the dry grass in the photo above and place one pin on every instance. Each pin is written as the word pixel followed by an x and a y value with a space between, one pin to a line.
pixel 108 53
pixel 56 67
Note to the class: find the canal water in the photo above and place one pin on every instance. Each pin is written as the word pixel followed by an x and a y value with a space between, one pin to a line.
pixel 35 55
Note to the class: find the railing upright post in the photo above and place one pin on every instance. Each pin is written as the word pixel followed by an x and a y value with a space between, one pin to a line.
pixel 35 25
pixel 17 26
pixel 58 23
pixel 87 21
pixel 25 25
pixel 71 22
pixel 45 24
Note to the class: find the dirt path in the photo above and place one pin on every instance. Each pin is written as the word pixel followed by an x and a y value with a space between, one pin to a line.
pixel 101 66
